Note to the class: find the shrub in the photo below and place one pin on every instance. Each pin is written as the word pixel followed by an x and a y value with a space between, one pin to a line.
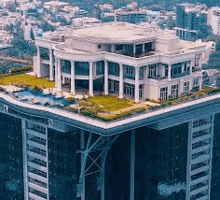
pixel 72 109
pixel 124 114
pixel 36 89
pixel 71 99
pixel 21 69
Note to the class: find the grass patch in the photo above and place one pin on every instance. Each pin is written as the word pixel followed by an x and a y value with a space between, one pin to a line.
pixel 110 103
pixel 24 80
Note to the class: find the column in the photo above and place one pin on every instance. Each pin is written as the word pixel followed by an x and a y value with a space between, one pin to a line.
pixel 51 65
pixel 190 67
pixel 38 62
pixel 134 50
pixel 59 81
pixel 73 91
pixel 90 78
pixel 56 71
pixel 132 166
pixel 143 48
pixel 106 78
pixel 136 98
pixel 200 83
pixel 169 71
pixel 121 84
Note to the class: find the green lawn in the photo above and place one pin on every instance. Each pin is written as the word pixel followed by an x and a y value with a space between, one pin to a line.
pixel 26 80
pixel 110 103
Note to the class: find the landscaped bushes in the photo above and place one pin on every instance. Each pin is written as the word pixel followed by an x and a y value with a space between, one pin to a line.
pixel 123 114
pixel 21 69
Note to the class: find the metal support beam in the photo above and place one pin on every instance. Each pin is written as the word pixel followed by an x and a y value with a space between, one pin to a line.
pixel 93 161
pixel 82 147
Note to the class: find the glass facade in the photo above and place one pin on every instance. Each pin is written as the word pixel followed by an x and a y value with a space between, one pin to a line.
pixel 215 194
pixel 64 164
pixel 100 68
pixel 11 162
pixel 66 66
pixel 113 69
pixel 82 68
pixel 160 163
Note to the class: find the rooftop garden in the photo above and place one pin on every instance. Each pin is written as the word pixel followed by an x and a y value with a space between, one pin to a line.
pixel 25 80
pixel 105 108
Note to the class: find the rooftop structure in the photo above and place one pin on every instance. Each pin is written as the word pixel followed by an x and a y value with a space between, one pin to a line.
pixel 123 59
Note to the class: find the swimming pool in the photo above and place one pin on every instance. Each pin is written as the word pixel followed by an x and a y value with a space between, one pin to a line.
pixel 40 98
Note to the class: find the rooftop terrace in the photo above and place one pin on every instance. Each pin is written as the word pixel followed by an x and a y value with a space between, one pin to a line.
pixel 104 108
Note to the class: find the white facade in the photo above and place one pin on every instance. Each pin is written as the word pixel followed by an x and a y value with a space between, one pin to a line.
pixel 123 59
pixel 214 19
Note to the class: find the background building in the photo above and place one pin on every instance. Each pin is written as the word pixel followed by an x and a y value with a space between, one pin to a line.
pixel 189 19
pixel 214 19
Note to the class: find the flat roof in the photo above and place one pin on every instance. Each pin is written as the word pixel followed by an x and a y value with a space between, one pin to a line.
pixel 118 32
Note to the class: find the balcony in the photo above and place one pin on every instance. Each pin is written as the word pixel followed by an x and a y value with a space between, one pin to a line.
pixel 186 73
pixel 136 55
pixel 157 77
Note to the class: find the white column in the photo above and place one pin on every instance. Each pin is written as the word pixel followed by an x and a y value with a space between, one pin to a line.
pixel 51 65
pixel 136 98
pixel 90 78
pixel 132 167
pixel 143 47
pixel 59 82
pixel 134 50
pixel 190 67
pixel 169 71
pixel 200 83
pixel 121 84
pixel 38 62
pixel 106 78
pixel 73 91
pixel 56 71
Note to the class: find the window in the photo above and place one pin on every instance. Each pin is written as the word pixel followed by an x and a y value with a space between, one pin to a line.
pixel 166 70
pixel 81 68
pixel 113 69
pixel 141 73
pixel 152 70
pixel 186 88
pixel 186 66
pixel 119 47
pixel 196 81
pixel 129 70
pixel 163 94
pixel 66 66
pixel 99 46
pixel 129 90
pixel 197 60
pixel 176 69
pixel 100 68
pixel 174 91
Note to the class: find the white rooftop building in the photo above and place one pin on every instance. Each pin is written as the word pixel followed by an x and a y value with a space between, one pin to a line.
pixel 123 59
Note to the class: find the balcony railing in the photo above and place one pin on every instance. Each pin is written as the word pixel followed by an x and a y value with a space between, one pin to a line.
pixel 157 77
pixel 186 73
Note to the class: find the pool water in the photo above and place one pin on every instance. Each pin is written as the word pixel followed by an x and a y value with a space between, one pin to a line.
pixel 40 98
